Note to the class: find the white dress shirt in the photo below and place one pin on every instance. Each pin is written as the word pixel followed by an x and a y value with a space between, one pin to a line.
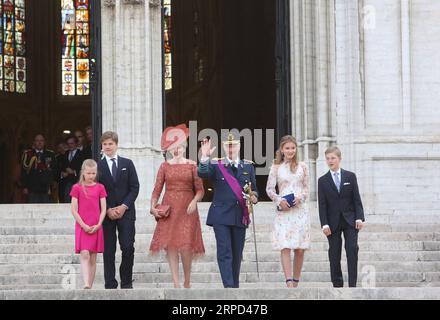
pixel 234 163
pixel 110 162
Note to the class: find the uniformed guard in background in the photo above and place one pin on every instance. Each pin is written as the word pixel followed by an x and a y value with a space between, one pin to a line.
pixel 38 169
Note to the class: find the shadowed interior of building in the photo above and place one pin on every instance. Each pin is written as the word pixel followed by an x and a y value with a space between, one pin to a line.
pixel 222 66
pixel 220 72
pixel 42 108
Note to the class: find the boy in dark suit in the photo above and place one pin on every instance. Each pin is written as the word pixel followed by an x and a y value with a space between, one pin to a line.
pixel 119 177
pixel 340 211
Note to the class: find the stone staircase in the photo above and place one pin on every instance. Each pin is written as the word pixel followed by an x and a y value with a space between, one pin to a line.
pixel 398 259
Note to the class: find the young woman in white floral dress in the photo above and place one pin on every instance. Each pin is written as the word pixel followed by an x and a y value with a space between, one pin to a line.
pixel 291 227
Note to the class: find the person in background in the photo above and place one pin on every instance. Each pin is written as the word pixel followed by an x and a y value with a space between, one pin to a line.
pixel 17 194
pixel 81 139
pixel 38 171
pixel 62 149
pixel 87 151
pixel 70 168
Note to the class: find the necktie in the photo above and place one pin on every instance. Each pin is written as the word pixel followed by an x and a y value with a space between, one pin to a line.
pixel 337 181
pixel 114 169
pixel 234 168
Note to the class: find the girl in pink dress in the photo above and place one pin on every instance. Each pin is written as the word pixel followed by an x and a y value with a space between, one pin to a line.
pixel 89 210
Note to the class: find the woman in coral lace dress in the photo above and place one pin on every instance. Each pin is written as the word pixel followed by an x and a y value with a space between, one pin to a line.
pixel 291 227
pixel 180 232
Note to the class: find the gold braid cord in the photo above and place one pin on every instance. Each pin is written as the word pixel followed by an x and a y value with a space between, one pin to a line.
pixel 32 160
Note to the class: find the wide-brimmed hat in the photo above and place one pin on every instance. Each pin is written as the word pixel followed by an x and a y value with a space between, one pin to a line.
pixel 172 137
pixel 231 139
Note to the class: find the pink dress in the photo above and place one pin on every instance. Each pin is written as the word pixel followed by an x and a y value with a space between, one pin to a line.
pixel 89 211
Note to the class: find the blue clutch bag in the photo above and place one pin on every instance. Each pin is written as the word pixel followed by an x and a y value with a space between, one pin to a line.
pixel 289 198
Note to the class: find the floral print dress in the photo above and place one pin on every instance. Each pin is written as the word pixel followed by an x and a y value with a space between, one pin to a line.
pixel 291 229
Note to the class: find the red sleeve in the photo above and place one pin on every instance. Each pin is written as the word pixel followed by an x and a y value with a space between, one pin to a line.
pixel 198 183
pixel 160 181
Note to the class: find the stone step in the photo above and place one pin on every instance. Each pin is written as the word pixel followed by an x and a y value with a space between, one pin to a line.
pixel 215 277
pixel 65 230
pixel 149 221
pixel 264 213
pixel 261 237
pixel 210 246
pixel 262 206
pixel 212 267
pixel 141 257
pixel 215 285
pixel 227 294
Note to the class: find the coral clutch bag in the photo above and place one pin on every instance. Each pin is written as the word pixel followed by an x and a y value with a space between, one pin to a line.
pixel 164 210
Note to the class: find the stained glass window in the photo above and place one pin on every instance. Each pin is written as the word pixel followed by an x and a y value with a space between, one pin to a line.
pixel 167 34
pixel 75 59
pixel 12 46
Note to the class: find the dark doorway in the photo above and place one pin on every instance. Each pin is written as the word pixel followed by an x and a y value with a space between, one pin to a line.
pixel 223 66
pixel 42 108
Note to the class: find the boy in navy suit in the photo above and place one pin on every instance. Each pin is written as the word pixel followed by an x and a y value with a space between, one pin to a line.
pixel 228 213
pixel 340 211
pixel 119 177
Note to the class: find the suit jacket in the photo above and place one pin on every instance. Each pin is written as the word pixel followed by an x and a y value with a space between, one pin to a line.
pixel 87 152
pixel 225 208
pixel 75 164
pixel 126 188
pixel 333 204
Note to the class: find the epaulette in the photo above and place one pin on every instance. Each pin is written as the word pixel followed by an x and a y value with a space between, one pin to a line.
pixel 248 161
pixel 50 150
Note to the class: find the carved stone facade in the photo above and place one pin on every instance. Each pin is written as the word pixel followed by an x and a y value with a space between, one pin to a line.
pixel 365 75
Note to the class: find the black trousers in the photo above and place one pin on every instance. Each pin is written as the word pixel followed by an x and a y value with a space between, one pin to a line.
pixel 351 250
pixel 126 234
pixel 67 188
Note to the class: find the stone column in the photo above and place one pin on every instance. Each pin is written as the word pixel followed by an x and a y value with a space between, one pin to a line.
pixel 132 83
pixel 313 99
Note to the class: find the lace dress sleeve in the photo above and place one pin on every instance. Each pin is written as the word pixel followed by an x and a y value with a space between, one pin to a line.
pixel 158 185
pixel 271 184
pixel 305 181
pixel 198 184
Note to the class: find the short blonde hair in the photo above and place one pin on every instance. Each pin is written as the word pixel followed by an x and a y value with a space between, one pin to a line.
pixel 109 135
pixel 335 150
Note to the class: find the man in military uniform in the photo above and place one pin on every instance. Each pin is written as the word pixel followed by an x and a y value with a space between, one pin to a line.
pixel 38 171
pixel 228 214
